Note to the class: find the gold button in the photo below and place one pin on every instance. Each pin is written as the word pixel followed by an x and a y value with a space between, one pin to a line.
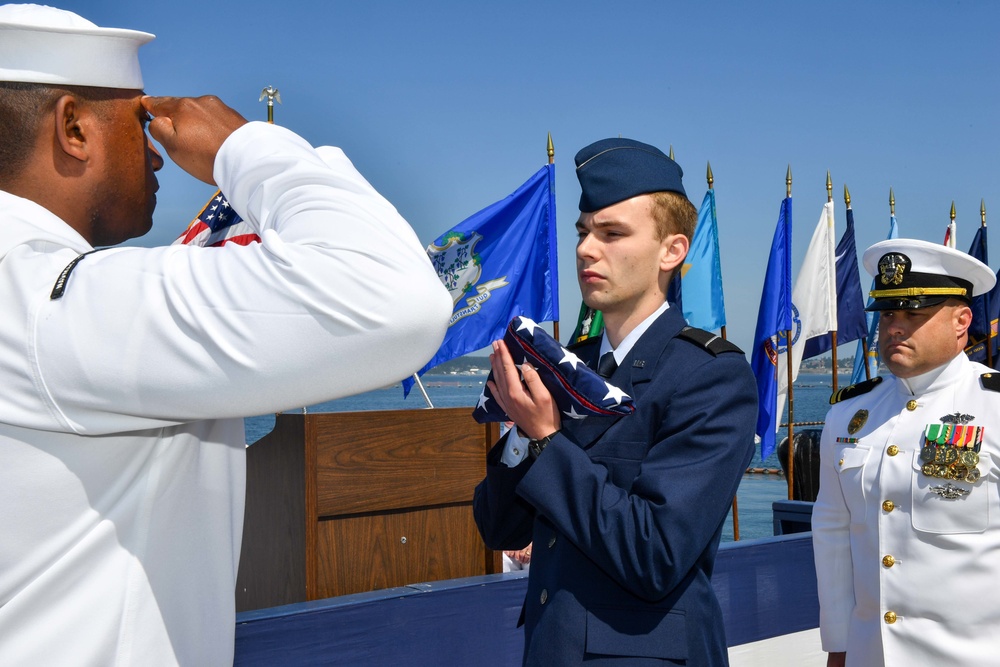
pixel 552 541
pixel 544 596
pixel 888 506
pixel 841 461
pixel 890 617
pixel 911 405
pixel 893 450
pixel 888 561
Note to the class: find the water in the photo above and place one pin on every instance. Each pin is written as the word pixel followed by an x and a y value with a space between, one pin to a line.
pixel 756 492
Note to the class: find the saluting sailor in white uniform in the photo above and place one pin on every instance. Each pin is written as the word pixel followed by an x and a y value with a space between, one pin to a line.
pixel 906 528
pixel 125 373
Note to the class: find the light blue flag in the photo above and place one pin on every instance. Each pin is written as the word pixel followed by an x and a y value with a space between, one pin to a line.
pixel 773 320
pixel 701 285
pixel 498 264
pixel 870 354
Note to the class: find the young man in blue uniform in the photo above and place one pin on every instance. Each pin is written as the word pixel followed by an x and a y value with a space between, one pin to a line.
pixel 624 513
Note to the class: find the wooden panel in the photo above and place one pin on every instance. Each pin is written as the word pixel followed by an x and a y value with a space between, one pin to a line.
pixel 274 527
pixel 397 459
pixel 370 552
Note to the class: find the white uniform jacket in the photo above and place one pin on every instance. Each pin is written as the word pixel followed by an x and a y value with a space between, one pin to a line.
pixel 907 574
pixel 121 440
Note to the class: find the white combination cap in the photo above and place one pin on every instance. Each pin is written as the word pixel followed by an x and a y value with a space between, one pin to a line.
pixel 41 44
pixel 917 274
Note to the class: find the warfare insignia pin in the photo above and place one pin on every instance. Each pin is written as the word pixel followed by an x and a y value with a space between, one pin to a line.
pixel 857 421
pixel 892 267
pixel 957 418
pixel 949 491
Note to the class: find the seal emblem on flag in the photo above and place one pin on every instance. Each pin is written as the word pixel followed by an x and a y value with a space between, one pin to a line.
pixel 456 262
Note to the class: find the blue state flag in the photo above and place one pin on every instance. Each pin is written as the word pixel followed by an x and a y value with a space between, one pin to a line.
pixel 851 321
pixel 498 264
pixel 703 303
pixel 773 319
pixel 869 354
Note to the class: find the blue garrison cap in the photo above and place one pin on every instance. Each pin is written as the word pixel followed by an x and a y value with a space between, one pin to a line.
pixel 613 170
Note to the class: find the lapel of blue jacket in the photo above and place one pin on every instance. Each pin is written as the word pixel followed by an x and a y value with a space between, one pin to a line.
pixel 635 371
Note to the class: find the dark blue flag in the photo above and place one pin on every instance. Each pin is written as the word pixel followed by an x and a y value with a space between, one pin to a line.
pixel 851 322
pixel 985 307
pixel 498 264
pixel 773 320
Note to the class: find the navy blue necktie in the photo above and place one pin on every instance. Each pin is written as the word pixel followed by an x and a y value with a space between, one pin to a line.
pixel 607 365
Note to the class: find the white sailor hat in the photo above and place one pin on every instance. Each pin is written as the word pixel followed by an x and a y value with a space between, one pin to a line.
pixel 41 44
pixel 916 274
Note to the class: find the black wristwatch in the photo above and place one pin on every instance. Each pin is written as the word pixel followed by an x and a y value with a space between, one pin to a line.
pixel 535 447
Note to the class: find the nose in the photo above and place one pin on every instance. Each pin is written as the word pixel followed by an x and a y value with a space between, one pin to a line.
pixel 586 247
pixel 154 155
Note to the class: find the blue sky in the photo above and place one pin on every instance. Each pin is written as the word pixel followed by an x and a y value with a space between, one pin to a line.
pixel 445 106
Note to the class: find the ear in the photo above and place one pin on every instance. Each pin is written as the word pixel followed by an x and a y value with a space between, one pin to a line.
pixel 963 320
pixel 675 249
pixel 70 123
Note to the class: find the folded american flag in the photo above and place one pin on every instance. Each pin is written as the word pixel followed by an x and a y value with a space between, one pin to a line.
pixel 578 390
pixel 217 225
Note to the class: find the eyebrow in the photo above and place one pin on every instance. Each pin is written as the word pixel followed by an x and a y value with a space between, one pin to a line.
pixel 600 224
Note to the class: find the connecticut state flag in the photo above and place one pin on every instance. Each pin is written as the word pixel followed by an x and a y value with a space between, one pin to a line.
pixel 217 225
pixel 498 264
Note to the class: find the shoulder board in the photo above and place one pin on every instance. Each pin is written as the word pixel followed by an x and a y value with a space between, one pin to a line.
pixel 855 390
pixel 990 381
pixel 708 341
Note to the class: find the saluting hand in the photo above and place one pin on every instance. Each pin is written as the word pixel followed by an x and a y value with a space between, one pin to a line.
pixel 528 403
pixel 192 130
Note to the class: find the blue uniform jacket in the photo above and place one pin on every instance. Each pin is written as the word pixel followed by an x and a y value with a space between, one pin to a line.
pixel 625 513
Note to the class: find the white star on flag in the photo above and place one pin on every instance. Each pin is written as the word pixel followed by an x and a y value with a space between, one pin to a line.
pixel 573 414
pixel 615 393
pixel 483 400
pixel 571 359
pixel 530 325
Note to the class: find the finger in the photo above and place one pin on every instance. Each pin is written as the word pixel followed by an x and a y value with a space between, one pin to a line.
pixel 497 395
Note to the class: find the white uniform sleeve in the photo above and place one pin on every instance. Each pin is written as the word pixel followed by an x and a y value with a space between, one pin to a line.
pixel 831 523
pixel 338 298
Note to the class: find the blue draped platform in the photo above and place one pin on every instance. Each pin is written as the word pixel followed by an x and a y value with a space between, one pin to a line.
pixel 766 588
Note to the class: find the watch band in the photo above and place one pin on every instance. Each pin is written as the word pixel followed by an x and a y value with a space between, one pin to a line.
pixel 535 447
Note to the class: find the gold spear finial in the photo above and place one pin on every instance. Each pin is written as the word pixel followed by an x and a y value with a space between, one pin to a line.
pixel 272 94
pixel 829 186
pixel 671 151
pixel 709 176
pixel 982 212
pixel 788 182
pixel 847 196
pixel 892 203
pixel 550 149
pixel 952 210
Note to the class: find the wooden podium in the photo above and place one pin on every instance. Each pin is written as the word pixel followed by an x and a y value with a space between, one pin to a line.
pixel 350 502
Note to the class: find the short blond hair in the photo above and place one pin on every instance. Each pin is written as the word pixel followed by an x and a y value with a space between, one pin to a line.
pixel 673 213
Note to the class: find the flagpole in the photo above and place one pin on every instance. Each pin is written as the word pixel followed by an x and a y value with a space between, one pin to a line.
pixel 788 367
pixel 271 94
pixel 833 334
pixel 710 178
pixel 551 151
pixel 864 339
pixel 987 307
pixel 952 236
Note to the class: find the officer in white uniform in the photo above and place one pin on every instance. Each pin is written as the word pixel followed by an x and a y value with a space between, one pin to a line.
pixel 126 373
pixel 906 528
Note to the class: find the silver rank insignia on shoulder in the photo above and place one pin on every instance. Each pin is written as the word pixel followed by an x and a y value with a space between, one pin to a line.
pixel 957 418
pixel 858 421
pixel 950 492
